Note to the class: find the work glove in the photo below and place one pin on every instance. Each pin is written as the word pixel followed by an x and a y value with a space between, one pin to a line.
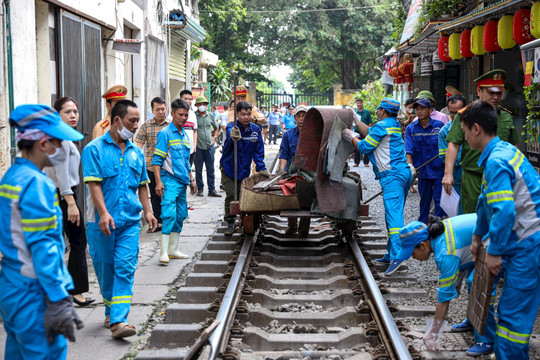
pixel 281 172
pixel 433 333
pixel 348 135
pixel 413 171
pixel 356 119
pixel 265 173
pixel 59 319
pixel 235 134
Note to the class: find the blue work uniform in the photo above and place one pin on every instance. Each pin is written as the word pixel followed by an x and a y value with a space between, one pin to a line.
pixel 384 145
pixel 250 147
pixel 115 256
pixel 288 120
pixel 509 211
pixel 453 258
pixel 172 154
pixel 422 144
pixel 32 265
pixel 287 149
pixel 458 170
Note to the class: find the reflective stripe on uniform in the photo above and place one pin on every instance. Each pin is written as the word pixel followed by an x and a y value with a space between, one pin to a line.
pixel 496 196
pixel 92 178
pixel 126 299
pixel 10 192
pixel 106 302
pixel 448 281
pixel 371 141
pixel 442 151
pixel 144 182
pixel 39 224
pixel 449 235
pixel 160 153
pixel 512 335
pixel 393 231
pixel 179 142
pixel 517 159
pixel 393 130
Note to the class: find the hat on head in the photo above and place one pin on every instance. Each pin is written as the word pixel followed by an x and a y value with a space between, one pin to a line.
pixel 423 102
pixel 390 105
pixel 450 90
pixel 424 94
pixel 117 92
pixel 241 91
pixel 411 235
pixel 493 80
pixel 263 106
pixel 300 108
pixel 291 107
pixel 45 119
pixel 201 100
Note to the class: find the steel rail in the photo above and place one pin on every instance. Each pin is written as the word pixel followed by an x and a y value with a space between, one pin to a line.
pixel 220 337
pixel 399 347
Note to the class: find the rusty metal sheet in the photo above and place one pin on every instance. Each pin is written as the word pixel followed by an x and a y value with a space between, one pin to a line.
pixel 311 150
pixel 480 297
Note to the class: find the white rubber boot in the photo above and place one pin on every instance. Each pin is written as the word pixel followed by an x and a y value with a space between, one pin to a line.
pixel 163 258
pixel 174 253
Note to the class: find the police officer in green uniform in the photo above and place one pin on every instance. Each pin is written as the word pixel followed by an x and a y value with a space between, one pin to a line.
pixel 490 87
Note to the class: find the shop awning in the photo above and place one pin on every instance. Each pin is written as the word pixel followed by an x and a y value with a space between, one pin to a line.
pixel 186 27
pixel 426 42
pixel 501 6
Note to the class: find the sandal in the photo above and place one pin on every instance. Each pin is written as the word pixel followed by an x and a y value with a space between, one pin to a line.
pixel 107 322
pixel 121 330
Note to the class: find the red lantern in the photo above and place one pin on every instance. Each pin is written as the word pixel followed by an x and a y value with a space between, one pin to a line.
pixel 443 49
pixel 465 44
pixel 522 27
pixel 491 44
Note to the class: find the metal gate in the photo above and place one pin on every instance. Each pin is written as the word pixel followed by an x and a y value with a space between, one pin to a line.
pixel 268 99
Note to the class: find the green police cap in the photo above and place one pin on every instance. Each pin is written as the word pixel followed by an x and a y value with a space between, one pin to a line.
pixel 201 100
pixel 424 94
pixel 493 80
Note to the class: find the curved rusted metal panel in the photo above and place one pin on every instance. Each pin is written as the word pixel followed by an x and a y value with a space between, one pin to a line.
pixel 310 153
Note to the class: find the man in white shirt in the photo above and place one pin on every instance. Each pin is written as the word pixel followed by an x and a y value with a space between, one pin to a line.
pixel 190 125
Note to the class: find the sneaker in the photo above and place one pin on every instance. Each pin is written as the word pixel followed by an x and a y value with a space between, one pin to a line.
pixel 463 326
pixel 191 208
pixel 200 193
pixel 393 267
pixel 229 230
pixel 213 193
pixel 382 260
pixel 480 349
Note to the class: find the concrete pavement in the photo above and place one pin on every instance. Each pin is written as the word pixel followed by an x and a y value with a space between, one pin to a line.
pixel 152 280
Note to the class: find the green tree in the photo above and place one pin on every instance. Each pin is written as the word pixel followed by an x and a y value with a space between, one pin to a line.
pixel 221 80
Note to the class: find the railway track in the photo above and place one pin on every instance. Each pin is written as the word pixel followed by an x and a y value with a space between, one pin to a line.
pixel 281 297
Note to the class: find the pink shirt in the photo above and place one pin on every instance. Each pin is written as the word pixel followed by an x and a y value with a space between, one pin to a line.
pixel 437 115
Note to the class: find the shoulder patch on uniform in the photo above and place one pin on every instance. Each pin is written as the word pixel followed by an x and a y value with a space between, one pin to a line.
pixel 505 109
pixel 105 124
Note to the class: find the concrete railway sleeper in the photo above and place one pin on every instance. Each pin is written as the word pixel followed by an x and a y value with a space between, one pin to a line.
pixel 283 297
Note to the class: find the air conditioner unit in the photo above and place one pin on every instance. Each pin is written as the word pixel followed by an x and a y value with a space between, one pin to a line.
pixel 201 74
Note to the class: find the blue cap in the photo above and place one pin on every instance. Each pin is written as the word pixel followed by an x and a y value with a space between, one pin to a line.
pixel 423 102
pixel 390 105
pixel 44 118
pixel 411 235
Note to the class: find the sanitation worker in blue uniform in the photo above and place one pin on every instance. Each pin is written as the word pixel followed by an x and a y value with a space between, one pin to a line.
pixel 422 145
pixel 384 144
pixel 36 308
pixel 287 153
pixel 250 148
pixel 450 241
pixel 114 170
pixel 509 211
pixel 173 175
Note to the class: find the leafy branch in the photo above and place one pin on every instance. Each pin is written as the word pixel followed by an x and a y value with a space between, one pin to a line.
pixel 532 97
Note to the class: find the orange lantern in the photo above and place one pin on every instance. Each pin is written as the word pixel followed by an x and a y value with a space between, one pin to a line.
pixel 522 27
pixel 504 32
pixel 442 49
pixel 477 40
pixel 535 20
pixel 453 46
pixel 465 44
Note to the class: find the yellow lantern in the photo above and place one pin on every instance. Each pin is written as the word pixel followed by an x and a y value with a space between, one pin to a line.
pixel 453 46
pixel 505 35
pixel 535 20
pixel 477 40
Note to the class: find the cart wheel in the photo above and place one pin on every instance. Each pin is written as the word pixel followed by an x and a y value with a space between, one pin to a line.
pixel 248 223
pixel 303 228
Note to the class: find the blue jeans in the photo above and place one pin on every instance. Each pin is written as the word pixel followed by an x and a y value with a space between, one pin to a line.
pixel 206 158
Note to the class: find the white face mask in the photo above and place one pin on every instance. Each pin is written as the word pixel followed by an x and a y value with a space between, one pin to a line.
pixel 203 108
pixel 58 157
pixel 124 133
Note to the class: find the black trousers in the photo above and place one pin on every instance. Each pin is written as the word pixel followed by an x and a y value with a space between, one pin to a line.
pixel 155 200
pixel 358 155
pixel 76 235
